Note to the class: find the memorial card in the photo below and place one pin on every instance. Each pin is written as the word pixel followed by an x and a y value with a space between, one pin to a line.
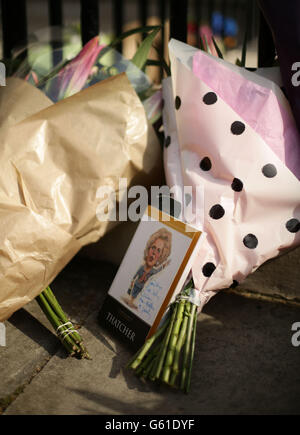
pixel 153 271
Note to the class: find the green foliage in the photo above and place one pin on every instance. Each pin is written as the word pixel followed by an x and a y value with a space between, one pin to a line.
pixel 141 56
pixel 160 63
pixel 124 35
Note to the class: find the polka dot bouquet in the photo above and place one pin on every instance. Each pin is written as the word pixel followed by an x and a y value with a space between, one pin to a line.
pixel 231 133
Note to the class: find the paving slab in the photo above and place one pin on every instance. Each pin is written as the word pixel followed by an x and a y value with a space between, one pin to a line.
pixel 30 341
pixel 244 363
pixel 279 277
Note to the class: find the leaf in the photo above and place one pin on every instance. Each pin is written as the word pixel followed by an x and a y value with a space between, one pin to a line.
pixel 154 62
pixel 201 45
pixel 163 61
pixel 140 57
pixel 206 44
pixel 219 52
pixel 53 72
pixel 160 63
pixel 124 35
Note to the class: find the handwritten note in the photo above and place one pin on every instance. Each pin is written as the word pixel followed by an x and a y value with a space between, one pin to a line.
pixel 149 301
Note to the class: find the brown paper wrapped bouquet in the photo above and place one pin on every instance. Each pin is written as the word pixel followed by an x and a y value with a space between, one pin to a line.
pixel 54 157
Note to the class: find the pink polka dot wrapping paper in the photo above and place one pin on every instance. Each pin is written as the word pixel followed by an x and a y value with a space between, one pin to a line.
pixel 230 132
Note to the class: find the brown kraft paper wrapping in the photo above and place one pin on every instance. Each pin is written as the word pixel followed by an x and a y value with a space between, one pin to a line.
pixel 53 159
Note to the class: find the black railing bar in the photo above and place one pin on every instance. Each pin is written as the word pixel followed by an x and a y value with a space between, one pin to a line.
pixel 143 13
pixel 14 26
pixel 210 9
pixel 178 20
pixel 89 19
pixel 118 14
pixel 198 15
pixel 162 13
pixel 56 20
pixel 266 47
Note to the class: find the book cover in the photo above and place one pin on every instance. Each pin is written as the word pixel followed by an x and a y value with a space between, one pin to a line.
pixel 153 271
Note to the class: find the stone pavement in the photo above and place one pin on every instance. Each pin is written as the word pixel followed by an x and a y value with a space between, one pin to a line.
pixel 244 360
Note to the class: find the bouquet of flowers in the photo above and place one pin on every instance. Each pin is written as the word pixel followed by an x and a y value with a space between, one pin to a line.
pixel 231 132
pixel 93 63
pixel 66 140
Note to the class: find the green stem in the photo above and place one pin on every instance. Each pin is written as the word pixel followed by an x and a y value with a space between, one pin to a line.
pixel 172 342
pixel 138 357
pixel 149 358
pixel 180 343
pixel 53 311
pixel 187 348
pixel 55 322
pixel 60 313
pixel 192 351
pixel 148 370
pixel 157 368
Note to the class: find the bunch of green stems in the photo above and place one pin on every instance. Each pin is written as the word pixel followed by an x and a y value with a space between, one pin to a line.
pixel 167 356
pixel 63 327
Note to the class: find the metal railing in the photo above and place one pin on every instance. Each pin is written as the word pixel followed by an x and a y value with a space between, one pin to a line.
pixel 15 29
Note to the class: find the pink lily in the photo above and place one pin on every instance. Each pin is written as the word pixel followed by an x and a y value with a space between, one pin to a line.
pixel 153 106
pixel 206 35
pixel 32 78
pixel 73 76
